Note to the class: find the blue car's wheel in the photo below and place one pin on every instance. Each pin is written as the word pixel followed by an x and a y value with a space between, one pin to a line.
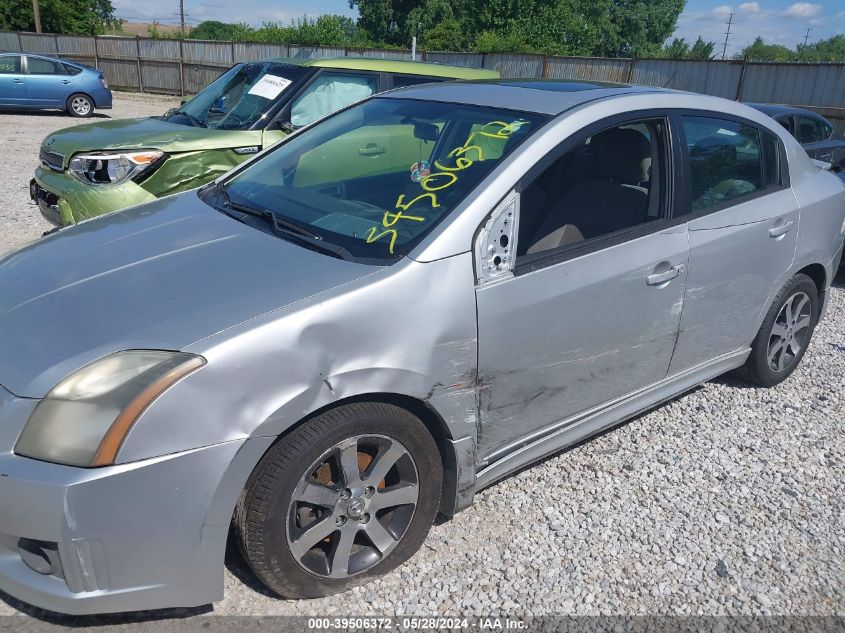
pixel 80 105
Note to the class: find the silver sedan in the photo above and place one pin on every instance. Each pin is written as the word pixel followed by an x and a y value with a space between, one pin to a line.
pixel 366 324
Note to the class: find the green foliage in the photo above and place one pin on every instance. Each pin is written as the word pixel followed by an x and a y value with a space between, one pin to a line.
pixel 829 50
pixel 221 31
pixel 759 51
pixel 562 27
pixel 679 48
pixel 76 17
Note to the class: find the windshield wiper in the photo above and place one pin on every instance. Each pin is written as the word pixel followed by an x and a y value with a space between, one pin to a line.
pixel 281 225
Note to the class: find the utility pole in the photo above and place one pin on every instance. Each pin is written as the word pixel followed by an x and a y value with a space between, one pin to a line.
pixel 727 35
pixel 807 36
pixel 36 10
pixel 182 18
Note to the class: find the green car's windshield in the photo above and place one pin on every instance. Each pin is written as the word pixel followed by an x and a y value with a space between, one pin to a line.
pixel 374 179
pixel 240 96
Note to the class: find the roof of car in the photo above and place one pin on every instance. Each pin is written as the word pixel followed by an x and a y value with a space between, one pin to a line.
pixel 529 95
pixel 774 109
pixel 393 66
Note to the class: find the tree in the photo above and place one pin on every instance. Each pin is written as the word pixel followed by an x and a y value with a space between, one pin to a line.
pixel 762 52
pixel 78 17
pixel 564 27
pixel 214 30
pixel 829 50
pixel 680 49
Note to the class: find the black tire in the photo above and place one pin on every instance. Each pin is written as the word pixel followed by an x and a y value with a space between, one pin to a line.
pixel 267 513
pixel 80 105
pixel 758 368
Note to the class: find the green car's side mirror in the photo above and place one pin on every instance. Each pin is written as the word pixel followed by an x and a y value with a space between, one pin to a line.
pixel 185 99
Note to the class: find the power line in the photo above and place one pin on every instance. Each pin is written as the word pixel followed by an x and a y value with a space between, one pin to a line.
pixel 727 35
pixel 807 35
pixel 182 17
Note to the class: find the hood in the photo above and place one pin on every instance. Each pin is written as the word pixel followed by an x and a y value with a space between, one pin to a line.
pixel 158 276
pixel 148 133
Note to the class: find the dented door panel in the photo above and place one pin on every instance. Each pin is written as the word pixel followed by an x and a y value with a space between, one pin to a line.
pixel 557 341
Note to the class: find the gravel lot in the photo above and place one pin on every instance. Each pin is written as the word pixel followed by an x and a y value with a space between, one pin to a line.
pixel 726 501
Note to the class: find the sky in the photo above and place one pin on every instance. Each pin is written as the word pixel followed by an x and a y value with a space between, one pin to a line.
pixel 777 21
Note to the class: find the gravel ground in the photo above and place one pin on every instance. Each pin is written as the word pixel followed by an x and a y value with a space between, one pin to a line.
pixel 726 501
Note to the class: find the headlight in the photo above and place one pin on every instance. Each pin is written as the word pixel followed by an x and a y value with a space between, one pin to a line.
pixel 103 168
pixel 85 418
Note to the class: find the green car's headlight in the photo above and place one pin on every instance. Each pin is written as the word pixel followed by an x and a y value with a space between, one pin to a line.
pixel 85 418
pixel 111 168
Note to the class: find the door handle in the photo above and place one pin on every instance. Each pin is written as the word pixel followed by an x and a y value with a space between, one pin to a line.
pixel 372 149
pixel 17 81
pixel 65 81
pixel 656 279
pixel 779 230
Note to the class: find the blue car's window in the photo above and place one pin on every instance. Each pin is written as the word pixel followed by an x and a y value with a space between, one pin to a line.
pixel 38 66
pixel 10 64
pixel 376 178
pixel 241 96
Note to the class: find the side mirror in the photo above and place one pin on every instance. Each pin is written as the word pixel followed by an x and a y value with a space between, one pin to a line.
pixel 185 99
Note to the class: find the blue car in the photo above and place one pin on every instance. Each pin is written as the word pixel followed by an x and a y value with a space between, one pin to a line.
pixel 36 82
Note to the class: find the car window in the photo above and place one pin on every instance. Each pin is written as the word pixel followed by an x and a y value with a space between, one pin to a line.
pixel 330 92
pixel 812 130
pixel 725 161
pixel 38 66
pixel 72 70
pixel 400 81
pixel 786 122
pixel 10 64
pixel 610 181
pixel 419 160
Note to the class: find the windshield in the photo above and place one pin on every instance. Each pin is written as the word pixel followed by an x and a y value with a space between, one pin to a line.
pixel 239 97
pixel 374 179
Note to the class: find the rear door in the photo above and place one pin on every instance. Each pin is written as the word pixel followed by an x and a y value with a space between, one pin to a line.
pixel 48 85
pixel 12 81
pixel 743 224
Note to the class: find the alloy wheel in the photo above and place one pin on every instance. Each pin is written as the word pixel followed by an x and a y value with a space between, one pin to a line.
pixel 352 506
pixel 790 332
pixel 80 105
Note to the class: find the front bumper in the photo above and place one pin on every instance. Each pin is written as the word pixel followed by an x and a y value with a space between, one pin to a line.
pixel 70 201
pixel 145 535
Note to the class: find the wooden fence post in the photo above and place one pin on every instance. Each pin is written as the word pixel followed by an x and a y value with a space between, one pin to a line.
pixel 96 54
pixel 545 72
pixel 741 78
pixel 138 53
pixel 631 70
pixel 233 52
pixel 181 67
pixel 20 43
pixel 56 44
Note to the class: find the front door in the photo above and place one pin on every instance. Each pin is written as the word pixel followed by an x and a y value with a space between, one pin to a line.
pixel 592 309
pixel 12 81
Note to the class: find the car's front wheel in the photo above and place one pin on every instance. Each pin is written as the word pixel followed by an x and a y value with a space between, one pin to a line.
pixel 80 105
pixel 349 495
pixel 785 334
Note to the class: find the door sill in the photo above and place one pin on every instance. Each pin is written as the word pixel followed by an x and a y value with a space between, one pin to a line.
pixel 576 428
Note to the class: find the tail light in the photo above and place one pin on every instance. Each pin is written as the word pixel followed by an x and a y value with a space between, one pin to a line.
pixel 103 81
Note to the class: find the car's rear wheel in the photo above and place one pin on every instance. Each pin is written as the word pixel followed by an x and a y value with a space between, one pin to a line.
pixel 785 334
pixel 345 497
pixel 80 105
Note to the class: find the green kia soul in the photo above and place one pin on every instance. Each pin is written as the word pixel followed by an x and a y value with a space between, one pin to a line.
pixel 92 169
